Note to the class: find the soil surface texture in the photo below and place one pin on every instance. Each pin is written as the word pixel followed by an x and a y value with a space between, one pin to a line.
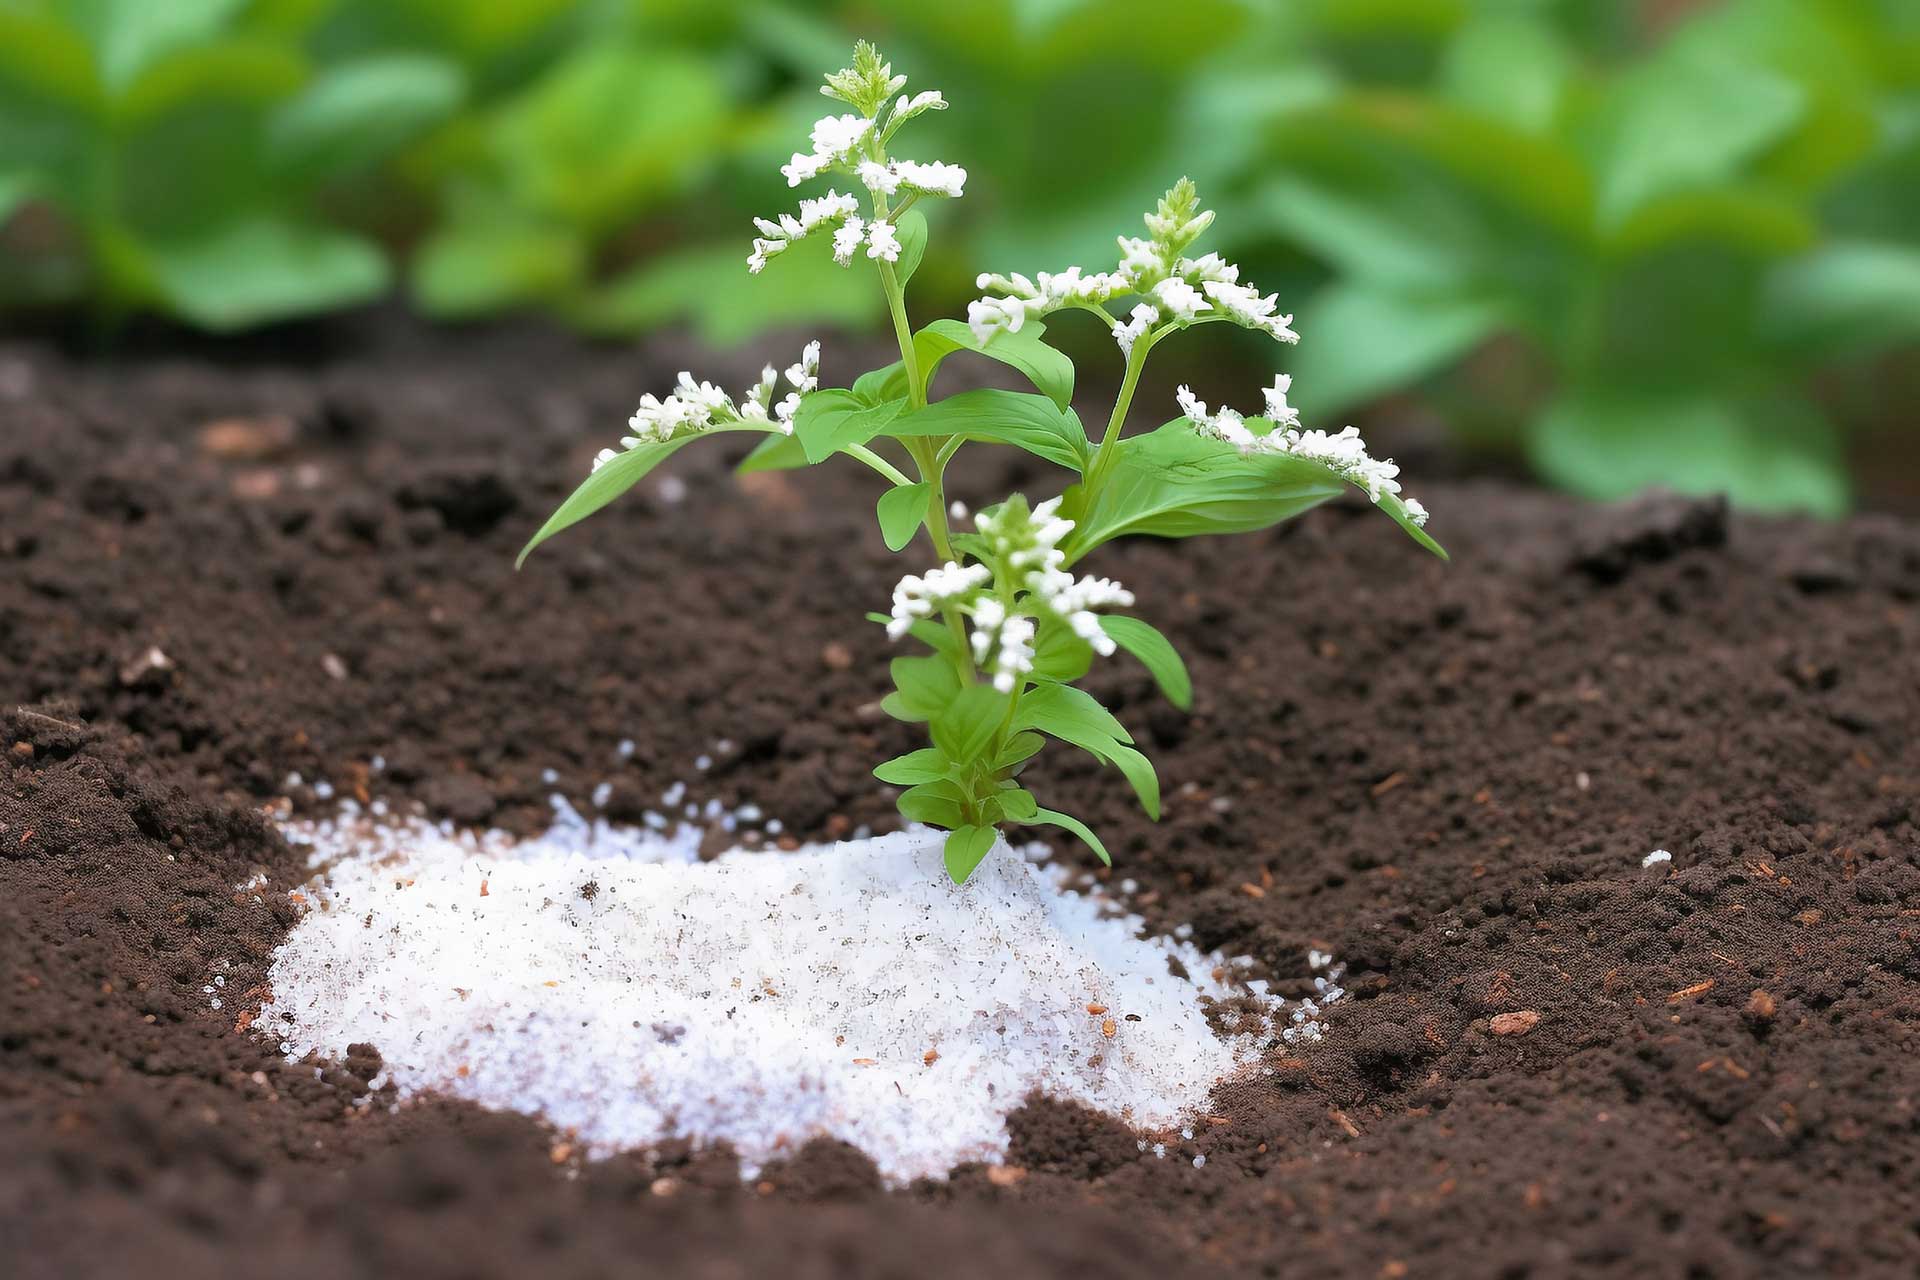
pixel 223 568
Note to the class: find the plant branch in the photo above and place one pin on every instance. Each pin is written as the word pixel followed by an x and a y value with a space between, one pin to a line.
pixel 861 453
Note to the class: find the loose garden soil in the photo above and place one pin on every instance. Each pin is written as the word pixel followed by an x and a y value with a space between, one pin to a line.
pixel 218 570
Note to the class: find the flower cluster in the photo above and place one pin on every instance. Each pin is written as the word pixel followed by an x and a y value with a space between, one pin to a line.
pixel 916 596
pixel 855 143
pixel 1004 599
pixel 832 210
pixel 699 406
pixel 1173 289
pixel 1343 452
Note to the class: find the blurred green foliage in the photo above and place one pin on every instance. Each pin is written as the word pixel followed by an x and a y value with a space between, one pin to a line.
pixel 1630 238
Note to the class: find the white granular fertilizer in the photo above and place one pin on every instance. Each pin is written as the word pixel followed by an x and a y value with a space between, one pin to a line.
pixel 607 980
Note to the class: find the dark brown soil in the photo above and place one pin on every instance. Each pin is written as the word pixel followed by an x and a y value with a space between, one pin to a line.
pixel 1554 1061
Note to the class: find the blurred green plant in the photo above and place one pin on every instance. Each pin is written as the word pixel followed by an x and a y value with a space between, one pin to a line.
pixel 1639 242
pixel 183 144
pixel 1668 251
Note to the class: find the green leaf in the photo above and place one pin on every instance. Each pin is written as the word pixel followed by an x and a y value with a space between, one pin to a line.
pixel 1048 370
pixel 130 35
pixel 1369 340
pixel 924 765
pixel 930 633
pixel 966 846
pixel 1018 418
pixel 964 727
pixel 1069 714
pixel 613 130
pixel 1847 298
pixel 709 284
pixel 1016 804
pixel 1018 749
pixel 1058 654
pixel 1511 67
pixel 937 804
pixel 1140 775
pixel 1068 822
pixel 260 269
pixel 1156 653
pixel 778 452
pixel 911 230
pixel 606 483
pixel 901 510
pixel 470 268
pixel 48 61
pixel 222 74
pixel 926 686
pixel 1768 450
pixel 15 190
pixel 831 420
pixel 1368 236
pixel 1072 715
pixel 1688 118
pixel 359 111
pixel 888 382
pixel 1175 483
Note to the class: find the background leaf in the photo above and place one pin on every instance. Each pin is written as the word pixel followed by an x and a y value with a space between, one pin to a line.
pixel 1770 452
pixel 261 269
pixel 1366 341
pixel 355 113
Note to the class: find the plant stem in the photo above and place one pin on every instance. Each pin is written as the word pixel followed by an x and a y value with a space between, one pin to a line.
pixel 925 451
pixel 1103 458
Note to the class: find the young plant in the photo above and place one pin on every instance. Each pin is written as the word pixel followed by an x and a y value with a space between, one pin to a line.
pixel 1007 626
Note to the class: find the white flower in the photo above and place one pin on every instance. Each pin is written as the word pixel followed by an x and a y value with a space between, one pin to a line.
pixel 882 244
pixel 1250 310
pixel 907 108
pixel 1015 658
pixel 847 239
pixel 802 377
pixel 1139 258
pixel 1145 316
pixel 834 136
pixel 804 168
pixel 884 178
pixel 916 596
pixel 935 179
pixel 695 406
pixel 1416 512
pixel 757 405
pixel 1282 413
pixel 1211 267
pixel 988 316
pixel 1180 299
pixel 777 236
pixel 1344 453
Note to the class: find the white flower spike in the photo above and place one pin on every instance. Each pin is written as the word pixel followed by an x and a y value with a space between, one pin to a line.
pixel 1176 291
pixel 1344 453
pixel 693 407
pixel 854 143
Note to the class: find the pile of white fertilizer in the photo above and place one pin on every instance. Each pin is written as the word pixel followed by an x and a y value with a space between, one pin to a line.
pixel 607 980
